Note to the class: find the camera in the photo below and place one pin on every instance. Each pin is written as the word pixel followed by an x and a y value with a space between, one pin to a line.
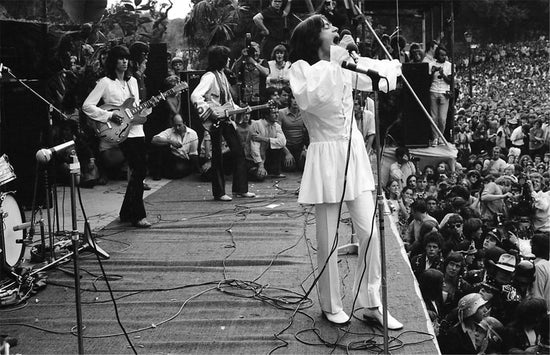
pixel 250 51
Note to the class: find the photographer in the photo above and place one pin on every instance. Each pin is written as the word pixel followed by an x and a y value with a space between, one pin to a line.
pixel 251 72
pixel 403 167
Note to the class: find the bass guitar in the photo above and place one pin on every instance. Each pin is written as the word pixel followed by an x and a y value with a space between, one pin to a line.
pixel 224 113
pixel 117 133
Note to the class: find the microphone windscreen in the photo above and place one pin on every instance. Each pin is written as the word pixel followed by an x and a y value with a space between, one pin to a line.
pixel 352 47
pixel 43 156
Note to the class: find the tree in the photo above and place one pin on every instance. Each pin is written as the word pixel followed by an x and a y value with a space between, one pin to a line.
pixel 212 22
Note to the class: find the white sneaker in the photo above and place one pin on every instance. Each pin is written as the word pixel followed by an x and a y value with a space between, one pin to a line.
pixel 376 316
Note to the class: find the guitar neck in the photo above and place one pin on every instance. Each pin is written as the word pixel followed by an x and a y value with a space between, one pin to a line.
pixel 241 110
pixel 153 101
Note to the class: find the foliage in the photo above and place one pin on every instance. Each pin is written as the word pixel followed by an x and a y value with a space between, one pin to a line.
pixel 213 22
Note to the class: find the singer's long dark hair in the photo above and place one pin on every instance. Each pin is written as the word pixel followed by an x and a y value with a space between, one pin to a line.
pixel 305 41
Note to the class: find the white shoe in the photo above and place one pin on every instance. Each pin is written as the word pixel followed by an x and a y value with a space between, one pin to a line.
pixel 376 316
pixel 339 318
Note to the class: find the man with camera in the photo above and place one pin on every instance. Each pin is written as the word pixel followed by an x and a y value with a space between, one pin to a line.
pixel 251 71
pixel 441 72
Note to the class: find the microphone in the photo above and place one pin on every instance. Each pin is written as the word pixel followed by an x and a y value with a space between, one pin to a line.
pixel 45 155
pixel 373 74
pixel 22 226
pixel 352 50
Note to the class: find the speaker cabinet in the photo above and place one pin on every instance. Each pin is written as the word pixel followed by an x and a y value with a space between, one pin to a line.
pixel 24 130
pixel 415 125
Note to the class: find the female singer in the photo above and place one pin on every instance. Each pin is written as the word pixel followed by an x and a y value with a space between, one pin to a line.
pixel 323 91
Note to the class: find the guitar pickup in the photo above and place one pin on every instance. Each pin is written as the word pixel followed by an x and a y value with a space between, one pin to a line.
pixel 129 113
pixel 108 125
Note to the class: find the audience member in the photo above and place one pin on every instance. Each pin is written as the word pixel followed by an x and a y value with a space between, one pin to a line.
pixel 181 158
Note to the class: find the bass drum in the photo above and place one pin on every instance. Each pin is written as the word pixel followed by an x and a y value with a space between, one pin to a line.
pixel 12 215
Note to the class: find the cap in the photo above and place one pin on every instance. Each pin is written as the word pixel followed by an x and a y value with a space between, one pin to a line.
pixel 525 272
pixel 507 262
pixel 176 60
pixel 468 305
pixel 138 50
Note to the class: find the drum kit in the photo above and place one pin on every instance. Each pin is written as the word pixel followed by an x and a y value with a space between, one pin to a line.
pixel 14 238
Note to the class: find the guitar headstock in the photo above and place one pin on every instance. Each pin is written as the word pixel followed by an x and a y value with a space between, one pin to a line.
pixel 272 105
pixel 180 87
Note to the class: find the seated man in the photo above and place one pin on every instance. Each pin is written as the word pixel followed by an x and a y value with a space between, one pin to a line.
pixel 182 156
pixel 296 136
pixel 266 147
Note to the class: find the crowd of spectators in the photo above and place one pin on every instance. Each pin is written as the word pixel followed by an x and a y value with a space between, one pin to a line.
pixel 477 234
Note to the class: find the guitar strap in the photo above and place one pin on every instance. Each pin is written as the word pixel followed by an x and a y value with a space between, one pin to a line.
pixel 223 91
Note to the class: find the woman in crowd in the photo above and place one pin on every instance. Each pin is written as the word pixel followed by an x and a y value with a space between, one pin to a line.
pixel 393 195
pixel 454 286
pixel 278 68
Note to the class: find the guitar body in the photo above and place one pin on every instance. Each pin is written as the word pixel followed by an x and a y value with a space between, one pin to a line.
pixel 225 111
pixel 219 113
pixel 112 132
pixel 117 133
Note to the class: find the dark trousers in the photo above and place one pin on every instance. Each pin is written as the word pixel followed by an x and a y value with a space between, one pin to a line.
pixel 272 164
pixel 134 151
pixel 175 167
pixel 240 180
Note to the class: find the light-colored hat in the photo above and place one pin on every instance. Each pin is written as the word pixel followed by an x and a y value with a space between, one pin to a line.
pixel 468 305
pixel 507 262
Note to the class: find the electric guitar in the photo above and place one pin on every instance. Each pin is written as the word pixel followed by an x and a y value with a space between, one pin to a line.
pixel 117 133
pixel 225 111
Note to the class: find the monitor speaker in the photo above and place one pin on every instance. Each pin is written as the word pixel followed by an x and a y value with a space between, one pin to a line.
pixel 415 125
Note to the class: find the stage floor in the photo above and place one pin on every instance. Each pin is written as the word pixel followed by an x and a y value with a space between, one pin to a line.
pixel 213 277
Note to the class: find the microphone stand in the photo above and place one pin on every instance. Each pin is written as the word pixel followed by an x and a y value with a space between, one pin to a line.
pixel 48 189
pixel 74 168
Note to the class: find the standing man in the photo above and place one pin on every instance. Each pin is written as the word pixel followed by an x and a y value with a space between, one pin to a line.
pixel 440 90
pixel 323 91
pixel 117 86
pixel 272 24
pixel 183 143
pixel 211 93
pixel 430 52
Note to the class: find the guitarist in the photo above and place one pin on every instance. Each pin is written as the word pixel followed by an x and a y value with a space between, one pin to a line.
pixel 117 86
pixel 212 92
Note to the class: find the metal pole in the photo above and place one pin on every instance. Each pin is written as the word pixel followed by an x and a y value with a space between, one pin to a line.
pixel 75 170
pixel 380 201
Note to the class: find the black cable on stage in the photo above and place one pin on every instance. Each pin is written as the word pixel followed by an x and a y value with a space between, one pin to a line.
pixel 106 279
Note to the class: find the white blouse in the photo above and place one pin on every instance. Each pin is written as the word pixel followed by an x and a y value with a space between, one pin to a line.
pixel 323 92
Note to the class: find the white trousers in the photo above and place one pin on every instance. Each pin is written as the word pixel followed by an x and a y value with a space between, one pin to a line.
pixel 361 210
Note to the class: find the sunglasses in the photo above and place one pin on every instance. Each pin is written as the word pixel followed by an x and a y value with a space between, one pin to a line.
pixel 455 225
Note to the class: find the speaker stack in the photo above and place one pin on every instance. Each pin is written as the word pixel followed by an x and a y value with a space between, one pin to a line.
pixel 24 125
pixel 415 124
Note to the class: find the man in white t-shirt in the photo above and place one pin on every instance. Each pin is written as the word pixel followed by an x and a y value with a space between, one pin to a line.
pixel 441 72
pixel 495 165
pixel 183 143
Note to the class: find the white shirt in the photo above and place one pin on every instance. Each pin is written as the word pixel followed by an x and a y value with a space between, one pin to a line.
pixel 438 84
pixel 517 136
pixel 189 141
pixel 323 91
pixel 113 92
